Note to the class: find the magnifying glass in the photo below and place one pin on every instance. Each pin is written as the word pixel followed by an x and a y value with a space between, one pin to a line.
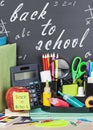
pixel 61 69
pixel 60 72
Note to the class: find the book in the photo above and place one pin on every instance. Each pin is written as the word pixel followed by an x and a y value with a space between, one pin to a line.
pixel 9 120
pixel 8 112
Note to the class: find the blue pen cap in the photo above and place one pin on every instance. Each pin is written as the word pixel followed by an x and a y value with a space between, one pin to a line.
pixel 3 40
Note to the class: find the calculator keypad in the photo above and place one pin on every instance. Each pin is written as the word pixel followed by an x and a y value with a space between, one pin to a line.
pixel 34 89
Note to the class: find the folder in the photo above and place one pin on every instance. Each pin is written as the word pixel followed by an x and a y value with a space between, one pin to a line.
pixel 7 60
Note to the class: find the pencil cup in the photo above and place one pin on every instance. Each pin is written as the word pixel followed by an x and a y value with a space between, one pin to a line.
pixel 45 76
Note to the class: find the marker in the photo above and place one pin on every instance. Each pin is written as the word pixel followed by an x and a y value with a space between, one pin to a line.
pixel 91 69
pixel 53 66
pixel 88 68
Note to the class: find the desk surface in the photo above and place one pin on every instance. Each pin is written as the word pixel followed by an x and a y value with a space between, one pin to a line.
pixel 40 115
pixel 82 126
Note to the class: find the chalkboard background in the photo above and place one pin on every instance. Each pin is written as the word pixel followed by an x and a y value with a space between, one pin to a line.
pixel 46 26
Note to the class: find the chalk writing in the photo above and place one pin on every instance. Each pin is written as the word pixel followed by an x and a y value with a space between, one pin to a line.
pixel 51 30
pixel 24 16
pixel 2 3
pixel 49 26
pixel 3 28
pixel 71 3
pixel 88 54
pixel 23 34
pixel 23 57
pixel 66 44
pixel 88 19
pixel 55 3
pixel 65 3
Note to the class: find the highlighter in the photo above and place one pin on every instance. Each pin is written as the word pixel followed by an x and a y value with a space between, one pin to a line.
pixel 56 67
pixel 71 100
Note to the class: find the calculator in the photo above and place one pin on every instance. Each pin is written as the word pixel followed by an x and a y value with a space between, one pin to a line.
pixel 35 92
pixel 28 76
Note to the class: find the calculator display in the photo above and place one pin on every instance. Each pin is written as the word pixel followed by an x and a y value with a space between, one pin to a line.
pixel 24 75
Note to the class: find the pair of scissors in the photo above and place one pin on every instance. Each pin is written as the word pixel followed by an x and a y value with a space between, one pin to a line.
pixel 77 65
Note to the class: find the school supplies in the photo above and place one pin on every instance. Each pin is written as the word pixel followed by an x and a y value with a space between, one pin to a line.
pixel 88 68
pixel 71 100
pixel 9 120
pixel 46 95
pixel 56 67
pixel 46 62
pixel 28 76
pixel 58 102
pixel 70 89
pixel 53 124
pixel 84 120
pixel 89 102
pixel 24 113
pixel 80 91
pixel 73 123
pixel 77 65
pixel 53 67
pixel 23 120
pixel 7 60
pixel 45 75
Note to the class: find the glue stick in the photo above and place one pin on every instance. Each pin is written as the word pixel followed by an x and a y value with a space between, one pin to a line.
pixel 46 95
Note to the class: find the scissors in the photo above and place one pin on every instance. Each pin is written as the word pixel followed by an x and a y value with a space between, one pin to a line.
pixel 77 65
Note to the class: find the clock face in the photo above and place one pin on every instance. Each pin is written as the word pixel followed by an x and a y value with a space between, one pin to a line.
pixel 24 75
